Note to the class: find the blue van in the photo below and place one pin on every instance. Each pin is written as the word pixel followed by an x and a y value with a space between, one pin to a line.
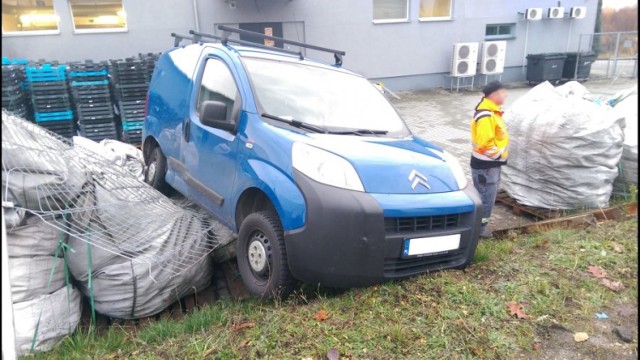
pixel 308 163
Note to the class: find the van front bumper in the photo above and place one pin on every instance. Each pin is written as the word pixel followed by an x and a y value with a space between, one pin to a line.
pixel 352 238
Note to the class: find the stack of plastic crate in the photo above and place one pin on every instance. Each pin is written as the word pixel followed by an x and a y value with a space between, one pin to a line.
pixel 15 97
pixel 92 100
pixel 50 98
pixel 150 60
pixel 131 84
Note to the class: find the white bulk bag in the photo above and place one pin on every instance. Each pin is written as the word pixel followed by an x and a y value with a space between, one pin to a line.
pixel 564 150
pixel 55 316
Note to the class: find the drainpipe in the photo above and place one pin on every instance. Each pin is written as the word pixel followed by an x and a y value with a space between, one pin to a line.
pixel 196 21
pixel 526 42
pixel 569 36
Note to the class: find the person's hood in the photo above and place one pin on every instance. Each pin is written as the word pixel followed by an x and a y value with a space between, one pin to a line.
pixel 488 105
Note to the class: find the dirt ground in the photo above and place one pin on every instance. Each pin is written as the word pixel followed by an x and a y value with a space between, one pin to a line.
pixel 604 343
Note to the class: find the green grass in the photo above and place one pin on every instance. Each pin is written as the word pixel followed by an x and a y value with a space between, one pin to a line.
pixel 447 314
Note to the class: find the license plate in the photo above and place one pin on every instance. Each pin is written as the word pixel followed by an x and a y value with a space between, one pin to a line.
pixel 430 245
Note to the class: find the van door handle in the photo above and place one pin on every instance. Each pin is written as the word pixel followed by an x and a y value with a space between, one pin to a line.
pixel 187 130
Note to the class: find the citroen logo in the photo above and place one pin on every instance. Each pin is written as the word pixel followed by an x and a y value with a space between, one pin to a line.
pixel 418 179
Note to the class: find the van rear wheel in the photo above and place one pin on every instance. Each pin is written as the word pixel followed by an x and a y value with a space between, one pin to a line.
pixel 157 170
pixel 262 257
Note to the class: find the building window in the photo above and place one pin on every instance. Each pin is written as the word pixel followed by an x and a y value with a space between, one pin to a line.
pixel 390 10
pixel 500 31
pixel 436 10
pixel 98 15
pixel 29 17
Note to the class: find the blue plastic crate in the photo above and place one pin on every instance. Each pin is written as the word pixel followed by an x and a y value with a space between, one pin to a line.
pixel 88 73
pixel 46 72
pixel 132 125
pixel 53 116
pixel 8 61
pixel 88 83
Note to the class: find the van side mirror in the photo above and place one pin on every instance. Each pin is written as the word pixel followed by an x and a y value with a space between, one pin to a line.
pixel 214 114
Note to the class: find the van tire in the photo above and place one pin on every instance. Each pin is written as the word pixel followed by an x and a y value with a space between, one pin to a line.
pixel 262 239
pixel 156 171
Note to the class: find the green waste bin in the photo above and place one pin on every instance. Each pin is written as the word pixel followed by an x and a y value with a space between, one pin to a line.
pixel 581 61
pixel 545 67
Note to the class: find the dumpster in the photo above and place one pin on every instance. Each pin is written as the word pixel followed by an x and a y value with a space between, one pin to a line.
pixel 581 61
pixel 545 67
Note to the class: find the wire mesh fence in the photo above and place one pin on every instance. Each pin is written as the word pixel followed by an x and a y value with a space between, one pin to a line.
pixel 98 203
pixel 617 53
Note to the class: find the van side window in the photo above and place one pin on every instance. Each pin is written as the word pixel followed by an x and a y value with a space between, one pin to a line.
pixel 217 84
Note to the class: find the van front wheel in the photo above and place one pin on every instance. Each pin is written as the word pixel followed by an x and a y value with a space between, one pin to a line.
pixel 262 257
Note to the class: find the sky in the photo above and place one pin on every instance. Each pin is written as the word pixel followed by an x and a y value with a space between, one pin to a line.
pixel 617 4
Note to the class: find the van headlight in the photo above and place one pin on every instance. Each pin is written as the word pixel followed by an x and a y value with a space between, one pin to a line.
pixel 456 169
pixel 325 167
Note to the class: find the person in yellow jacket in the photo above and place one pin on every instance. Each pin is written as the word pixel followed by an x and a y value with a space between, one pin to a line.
pixel 490 148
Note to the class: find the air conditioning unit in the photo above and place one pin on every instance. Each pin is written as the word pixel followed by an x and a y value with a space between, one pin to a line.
pixel 555 12
pixel 492 57
pixel 533 14
pixel 578 12
pixel 465 58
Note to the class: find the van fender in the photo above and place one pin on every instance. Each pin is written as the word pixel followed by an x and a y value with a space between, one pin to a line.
pixel 280 188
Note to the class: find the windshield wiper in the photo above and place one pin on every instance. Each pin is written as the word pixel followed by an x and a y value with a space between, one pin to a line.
pixel 360 132
pixel 296 123
pixel 319 129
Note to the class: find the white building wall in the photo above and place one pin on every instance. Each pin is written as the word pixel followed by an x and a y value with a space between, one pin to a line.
pixel 407 55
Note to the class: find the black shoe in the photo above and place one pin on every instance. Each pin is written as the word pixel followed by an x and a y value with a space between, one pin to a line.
pixel 486 233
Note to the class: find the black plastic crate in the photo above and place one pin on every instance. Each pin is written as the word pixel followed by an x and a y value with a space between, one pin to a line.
pixel 132 107
pixel 94 116
pixel 53 107
pixel 100 121
pixel 132 136
pixel 63 128
pixel 13 96
pixel 49 88
pixel 98 132
pixel 8 80
pixel 49 101
pixel 89 106
pixel 92 95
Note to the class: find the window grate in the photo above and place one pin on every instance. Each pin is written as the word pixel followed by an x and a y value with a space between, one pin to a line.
pixel 499 31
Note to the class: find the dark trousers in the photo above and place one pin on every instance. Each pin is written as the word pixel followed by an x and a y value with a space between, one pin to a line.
pixel 487 182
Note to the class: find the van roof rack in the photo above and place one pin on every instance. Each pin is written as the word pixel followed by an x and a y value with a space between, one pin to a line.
pixel 178 39
pixel 199 35
pixel 196 37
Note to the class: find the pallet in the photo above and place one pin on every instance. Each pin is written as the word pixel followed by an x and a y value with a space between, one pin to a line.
pixel 519 209
pixel 578 221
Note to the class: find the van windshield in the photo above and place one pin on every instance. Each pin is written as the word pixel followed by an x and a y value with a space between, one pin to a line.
pixel 333 100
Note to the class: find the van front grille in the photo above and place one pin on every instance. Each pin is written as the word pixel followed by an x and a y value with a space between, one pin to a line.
pixel 401 225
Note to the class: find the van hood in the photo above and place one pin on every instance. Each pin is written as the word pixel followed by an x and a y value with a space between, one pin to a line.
pixel 392 166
